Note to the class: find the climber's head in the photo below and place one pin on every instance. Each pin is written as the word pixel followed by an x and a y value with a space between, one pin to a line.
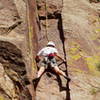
pixel 51 43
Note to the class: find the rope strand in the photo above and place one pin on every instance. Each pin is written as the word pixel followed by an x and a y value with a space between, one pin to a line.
pixel 46 21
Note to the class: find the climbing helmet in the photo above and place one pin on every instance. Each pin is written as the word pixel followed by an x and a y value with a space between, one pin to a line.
pixel 51 43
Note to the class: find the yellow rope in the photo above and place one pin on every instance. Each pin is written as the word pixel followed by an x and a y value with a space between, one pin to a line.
pixel 30 35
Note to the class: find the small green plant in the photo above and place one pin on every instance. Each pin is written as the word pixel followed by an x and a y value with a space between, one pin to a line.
pixel 98 66
pixel 94 91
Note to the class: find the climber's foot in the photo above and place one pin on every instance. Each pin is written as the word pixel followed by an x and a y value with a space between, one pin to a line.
pixel 67 78
pixel 35 80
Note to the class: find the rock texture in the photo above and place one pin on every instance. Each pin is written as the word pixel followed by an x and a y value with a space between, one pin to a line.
pixel 14 56
pixel 74 26
pixel 81 24
pixel 7 90
pixel 13 72
pixel 80 32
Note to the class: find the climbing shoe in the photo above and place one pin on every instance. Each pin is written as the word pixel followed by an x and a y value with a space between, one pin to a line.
pixel 35 80
pixel 66 77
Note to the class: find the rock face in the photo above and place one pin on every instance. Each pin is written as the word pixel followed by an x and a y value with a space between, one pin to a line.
pixel 13 73
pixel 51 86
pixel 81 29
pixel 5 91
pixel 74 26
pixel 80 35
pixel 81 24
pixel 14 56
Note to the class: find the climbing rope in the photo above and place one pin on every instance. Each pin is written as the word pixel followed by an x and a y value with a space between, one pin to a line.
pixel 46 21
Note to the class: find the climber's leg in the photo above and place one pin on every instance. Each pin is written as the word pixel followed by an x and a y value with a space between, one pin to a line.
pixel 60 72
pixel 40 72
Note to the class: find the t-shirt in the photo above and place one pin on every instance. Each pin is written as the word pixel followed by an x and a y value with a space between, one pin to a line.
pixel 46 51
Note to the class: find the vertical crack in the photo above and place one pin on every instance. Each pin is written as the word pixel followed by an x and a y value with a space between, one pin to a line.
pixel 61 33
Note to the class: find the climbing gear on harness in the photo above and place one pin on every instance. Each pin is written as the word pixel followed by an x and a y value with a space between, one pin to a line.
pixel 48 62
pixel 51 43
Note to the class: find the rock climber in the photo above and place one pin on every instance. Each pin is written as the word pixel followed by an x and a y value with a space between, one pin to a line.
pixel 47 56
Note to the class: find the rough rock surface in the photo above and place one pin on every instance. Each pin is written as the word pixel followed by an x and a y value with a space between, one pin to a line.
pixel 13 51
pixel 13 73
pixel 79 37
pixel 81 21
pixel 7 89
pixel 81 24
pixel 51 86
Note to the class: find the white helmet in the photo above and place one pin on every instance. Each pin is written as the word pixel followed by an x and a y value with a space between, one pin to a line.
pixel 51 43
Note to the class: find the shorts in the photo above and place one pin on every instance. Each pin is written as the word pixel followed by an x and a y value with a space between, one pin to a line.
pixel 46 62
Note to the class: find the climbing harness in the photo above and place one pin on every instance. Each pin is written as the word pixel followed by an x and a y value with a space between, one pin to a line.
pixel 51 55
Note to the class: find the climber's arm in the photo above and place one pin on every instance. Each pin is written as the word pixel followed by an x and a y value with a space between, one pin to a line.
pixel 58 56
pixel 38 56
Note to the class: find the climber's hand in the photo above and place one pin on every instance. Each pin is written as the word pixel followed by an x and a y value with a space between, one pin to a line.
pixel 64 61
pixel 37 59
